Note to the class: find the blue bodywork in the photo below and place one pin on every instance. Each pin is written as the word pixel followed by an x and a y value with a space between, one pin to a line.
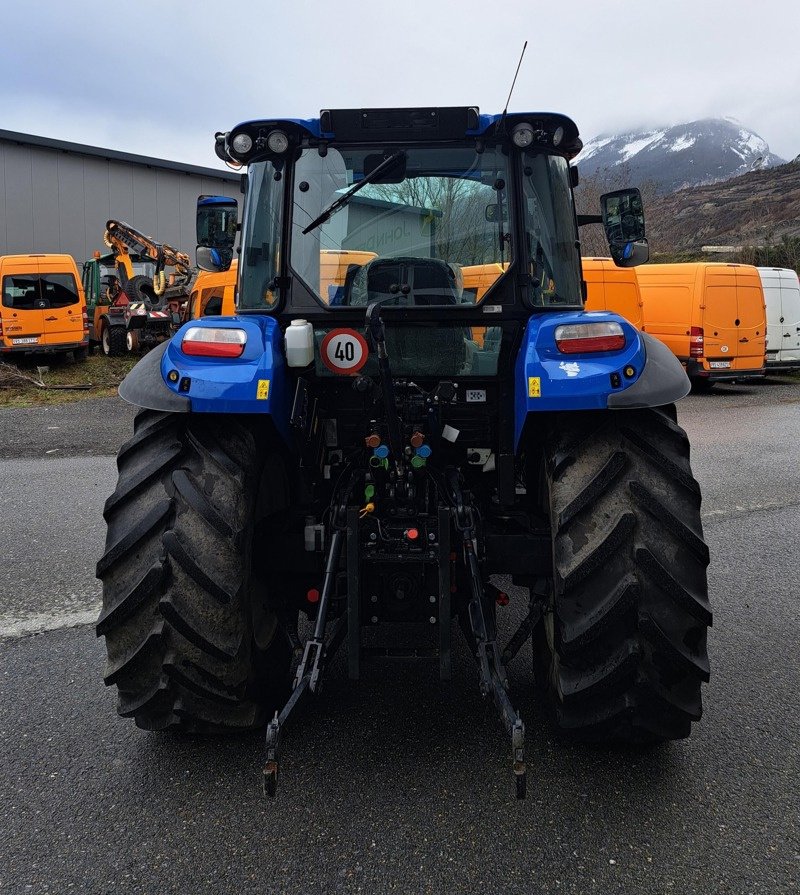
pixel 233 385
pixel 544 378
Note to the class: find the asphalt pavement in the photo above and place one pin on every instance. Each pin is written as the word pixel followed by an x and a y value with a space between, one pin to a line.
pixel 398 783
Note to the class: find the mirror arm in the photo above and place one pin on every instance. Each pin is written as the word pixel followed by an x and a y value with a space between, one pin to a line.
pixel 589 219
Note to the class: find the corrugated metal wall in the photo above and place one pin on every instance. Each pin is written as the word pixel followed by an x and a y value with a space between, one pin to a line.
pixel 53 200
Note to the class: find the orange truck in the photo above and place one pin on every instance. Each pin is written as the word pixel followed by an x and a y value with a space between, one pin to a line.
pixel 612 288
pixel 334 267
pixel 478 280
pixel 43 307
pixel 214 293
pixel 712 316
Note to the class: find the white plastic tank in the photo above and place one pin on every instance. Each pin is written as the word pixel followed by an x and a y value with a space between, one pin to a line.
pixel 299 343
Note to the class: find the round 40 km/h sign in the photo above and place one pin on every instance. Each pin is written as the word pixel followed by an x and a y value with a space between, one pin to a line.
pixel 344 351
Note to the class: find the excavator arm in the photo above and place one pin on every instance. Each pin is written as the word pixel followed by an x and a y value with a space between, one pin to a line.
pixel 124 240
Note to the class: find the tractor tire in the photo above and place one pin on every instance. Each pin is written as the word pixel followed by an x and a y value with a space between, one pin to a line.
pixel 113 341
pixel 193 640
pixel 621 652
pixel 132 341
pixel 140 288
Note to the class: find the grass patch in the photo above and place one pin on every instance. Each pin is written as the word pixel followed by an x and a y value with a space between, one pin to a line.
pixel 102 374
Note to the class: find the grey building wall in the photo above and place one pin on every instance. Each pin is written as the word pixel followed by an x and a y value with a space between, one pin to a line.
pixel 57 197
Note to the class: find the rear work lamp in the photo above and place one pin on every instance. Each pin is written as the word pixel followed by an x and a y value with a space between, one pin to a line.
pixel 214 341
pixel 580 338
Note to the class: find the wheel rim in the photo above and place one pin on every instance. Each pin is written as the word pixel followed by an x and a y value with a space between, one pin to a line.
pixel 105 341
pixel 130 340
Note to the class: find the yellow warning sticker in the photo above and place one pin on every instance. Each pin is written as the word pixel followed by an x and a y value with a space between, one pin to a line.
pixel 534 387
pixel 263 390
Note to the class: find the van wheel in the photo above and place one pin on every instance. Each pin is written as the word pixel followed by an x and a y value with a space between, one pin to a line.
pixel 113 341
pixel 81 354
pixel 193 635
pixel 621 652
pixel 701 386
pixel 132 341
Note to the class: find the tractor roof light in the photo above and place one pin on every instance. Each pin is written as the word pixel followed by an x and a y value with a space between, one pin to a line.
pixel 242 143
pixel 583 338
pixel 522 135
pixel 214 341
pixel 277 142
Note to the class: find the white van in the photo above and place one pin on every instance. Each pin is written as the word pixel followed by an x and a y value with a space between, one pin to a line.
pixel 782 297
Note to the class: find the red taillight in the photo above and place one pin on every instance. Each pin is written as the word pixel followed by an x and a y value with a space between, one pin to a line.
pixel 580 338
pixel 214 341
pixel 85 315
pixel 697 342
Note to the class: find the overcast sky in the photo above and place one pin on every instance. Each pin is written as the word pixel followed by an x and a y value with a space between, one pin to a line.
pixel 158 78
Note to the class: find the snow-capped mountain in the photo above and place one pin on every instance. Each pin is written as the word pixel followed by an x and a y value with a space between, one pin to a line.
pixel 698 152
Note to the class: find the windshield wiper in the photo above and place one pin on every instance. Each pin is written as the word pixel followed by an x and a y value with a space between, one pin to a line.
pixel 346 197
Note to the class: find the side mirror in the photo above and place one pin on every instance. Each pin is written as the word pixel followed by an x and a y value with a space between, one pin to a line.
pixel 214 260
pixel 623 220
pixel 217 225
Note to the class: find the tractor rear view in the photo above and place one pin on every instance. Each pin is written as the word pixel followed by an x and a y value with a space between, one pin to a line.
pixel 368 457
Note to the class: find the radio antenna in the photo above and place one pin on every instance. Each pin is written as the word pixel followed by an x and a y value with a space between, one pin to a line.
pixel 505 111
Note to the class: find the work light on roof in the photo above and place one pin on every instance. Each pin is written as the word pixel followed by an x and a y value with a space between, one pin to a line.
pixel 558 135
pixel 522 135
pixel 278 142
pixel 242 143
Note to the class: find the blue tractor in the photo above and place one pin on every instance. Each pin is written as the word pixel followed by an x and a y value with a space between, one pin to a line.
pixel 359 459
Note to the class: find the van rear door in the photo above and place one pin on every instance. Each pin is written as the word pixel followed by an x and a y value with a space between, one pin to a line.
pixel 63 317
pixel 771 283
pixel 721 318
pixel 752 319
pixel 790 313
pixel 23 318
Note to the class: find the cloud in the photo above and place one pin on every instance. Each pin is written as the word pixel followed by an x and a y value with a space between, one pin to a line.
pixel 160 78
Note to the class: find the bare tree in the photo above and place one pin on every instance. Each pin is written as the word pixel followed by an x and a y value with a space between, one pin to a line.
pixel 457 206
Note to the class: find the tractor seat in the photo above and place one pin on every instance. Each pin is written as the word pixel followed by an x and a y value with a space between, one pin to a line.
pixel 430 281
pixel 428 349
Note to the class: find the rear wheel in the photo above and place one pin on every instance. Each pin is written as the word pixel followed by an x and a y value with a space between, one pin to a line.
pixel 193 638
pixel 113 341
pixel 132 341
pixel 622 649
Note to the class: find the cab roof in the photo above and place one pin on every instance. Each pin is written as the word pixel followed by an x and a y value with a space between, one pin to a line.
pixel 422 124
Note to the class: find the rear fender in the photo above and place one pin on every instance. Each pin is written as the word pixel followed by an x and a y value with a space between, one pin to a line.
pixel 167 379
pixel 114 317
pixel 547 380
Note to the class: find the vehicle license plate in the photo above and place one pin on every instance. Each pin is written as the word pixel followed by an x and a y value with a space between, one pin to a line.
pixel 28 340
pixel 719 364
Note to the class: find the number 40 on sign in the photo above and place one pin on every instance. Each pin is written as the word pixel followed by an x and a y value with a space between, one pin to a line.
pixel 344 351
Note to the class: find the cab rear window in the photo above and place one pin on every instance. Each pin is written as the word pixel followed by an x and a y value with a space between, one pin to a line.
pixel 30 292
